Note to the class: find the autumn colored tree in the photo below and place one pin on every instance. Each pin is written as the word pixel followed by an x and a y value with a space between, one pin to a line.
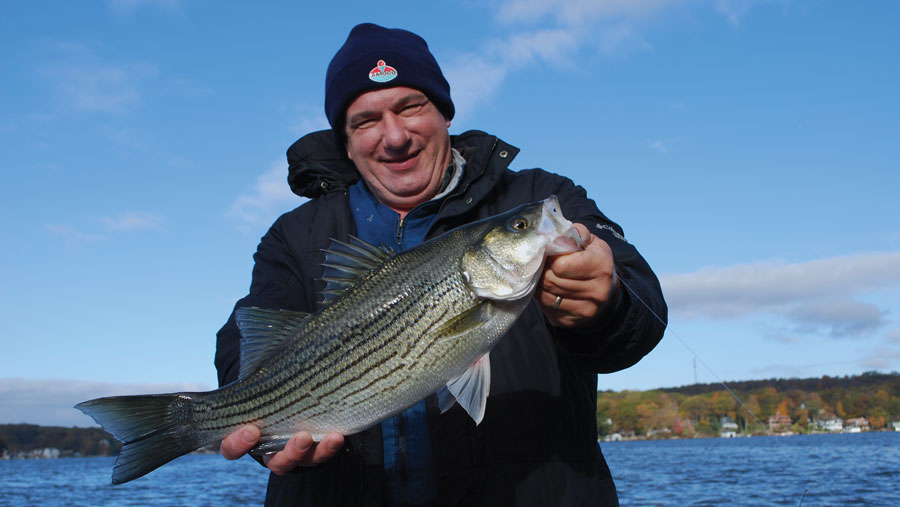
pixel 696 409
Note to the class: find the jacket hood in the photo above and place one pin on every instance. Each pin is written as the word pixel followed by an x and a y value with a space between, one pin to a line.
pixel 317 165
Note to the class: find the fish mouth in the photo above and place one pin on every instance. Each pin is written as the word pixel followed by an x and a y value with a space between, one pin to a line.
pixel 563 235
pixel 566 244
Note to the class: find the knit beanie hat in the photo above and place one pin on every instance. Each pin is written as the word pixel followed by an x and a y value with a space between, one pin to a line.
pixel 374 57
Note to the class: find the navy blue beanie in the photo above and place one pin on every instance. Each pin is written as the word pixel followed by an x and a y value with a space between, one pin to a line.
pixel 374 57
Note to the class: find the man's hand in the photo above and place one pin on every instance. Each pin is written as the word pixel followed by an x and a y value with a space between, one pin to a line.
pixel 299 451
pixel 585 280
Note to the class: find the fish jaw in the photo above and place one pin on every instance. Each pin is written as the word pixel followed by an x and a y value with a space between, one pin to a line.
pixel 562 236
pixel 507 264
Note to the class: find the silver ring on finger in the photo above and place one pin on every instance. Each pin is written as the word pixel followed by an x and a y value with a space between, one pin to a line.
pixel 556 303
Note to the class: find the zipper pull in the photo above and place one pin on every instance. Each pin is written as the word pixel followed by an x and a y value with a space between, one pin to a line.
pixel 400 231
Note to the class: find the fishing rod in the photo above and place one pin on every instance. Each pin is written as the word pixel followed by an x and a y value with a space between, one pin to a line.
pixel 696 356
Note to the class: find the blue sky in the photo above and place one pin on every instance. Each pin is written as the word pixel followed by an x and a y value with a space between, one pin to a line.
pixel 748 148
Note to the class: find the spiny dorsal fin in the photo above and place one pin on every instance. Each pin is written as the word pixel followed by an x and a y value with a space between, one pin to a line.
pixel 263 331
pixel 348 263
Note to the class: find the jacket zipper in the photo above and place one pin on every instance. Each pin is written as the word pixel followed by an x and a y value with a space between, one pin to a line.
pixel 400 232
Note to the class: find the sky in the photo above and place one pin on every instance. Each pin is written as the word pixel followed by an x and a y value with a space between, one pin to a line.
pixel 749 149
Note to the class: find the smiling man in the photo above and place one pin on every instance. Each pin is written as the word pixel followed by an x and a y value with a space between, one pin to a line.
pixel 389 172
pixel 399 143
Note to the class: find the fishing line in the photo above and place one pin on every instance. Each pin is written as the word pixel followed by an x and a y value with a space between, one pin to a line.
pixel 696 356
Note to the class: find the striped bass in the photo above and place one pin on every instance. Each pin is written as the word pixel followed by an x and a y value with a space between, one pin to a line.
pixel 394 329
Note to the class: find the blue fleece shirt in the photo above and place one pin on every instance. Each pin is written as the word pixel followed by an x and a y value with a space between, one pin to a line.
pixel 409 472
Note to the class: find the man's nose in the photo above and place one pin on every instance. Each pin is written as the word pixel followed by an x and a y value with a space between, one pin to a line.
pixel 395 135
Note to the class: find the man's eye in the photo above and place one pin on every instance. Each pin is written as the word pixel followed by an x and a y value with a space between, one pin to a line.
pixel 411 109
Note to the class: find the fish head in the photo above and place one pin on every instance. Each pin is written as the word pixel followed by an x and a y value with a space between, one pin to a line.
pixel 506 263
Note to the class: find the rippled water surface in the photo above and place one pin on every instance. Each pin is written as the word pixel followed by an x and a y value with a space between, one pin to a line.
pixel 861 469
pixel 189 480
pixel 842 469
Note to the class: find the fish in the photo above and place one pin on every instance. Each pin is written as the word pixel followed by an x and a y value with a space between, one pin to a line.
pixel 392 330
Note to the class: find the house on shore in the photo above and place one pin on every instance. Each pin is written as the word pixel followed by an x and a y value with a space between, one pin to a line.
pixel 727 427
pixel 833 425
pixel 856 425
pixel 779 423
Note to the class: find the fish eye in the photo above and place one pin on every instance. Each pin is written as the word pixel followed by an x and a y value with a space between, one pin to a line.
pixel 520 224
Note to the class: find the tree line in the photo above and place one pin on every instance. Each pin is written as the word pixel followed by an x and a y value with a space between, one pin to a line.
pixel 689 411
pixel 697 410
pixel 21 438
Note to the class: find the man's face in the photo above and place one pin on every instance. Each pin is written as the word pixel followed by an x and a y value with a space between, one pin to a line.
pixel 399 142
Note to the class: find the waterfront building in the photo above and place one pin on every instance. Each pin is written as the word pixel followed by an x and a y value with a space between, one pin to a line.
pixel 779 423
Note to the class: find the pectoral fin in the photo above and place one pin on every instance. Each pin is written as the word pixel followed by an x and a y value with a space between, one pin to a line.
pixel 469 320
pixel 471 389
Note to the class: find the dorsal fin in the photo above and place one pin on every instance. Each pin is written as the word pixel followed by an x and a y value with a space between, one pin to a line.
pixel 347 263
pixel 263 331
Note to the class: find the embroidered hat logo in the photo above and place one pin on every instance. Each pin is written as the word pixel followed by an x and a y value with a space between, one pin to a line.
pixel 382 73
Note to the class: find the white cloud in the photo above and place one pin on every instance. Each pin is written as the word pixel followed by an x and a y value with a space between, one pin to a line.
pixel 735 10
pixel 132 221
pixel 893 336
pixel 553 47
pixel 815 297
pixel 659 146
pixel 74 236
pixel 82 82
pixel 838 318
pixel 306 119
pixel 269 197
pixel 128 221
pixel 560 33
pixel 750 288
pixel 482 79
pixel 486 70
pixel 622 40
pixel 51 402
pixel 575 12
pixel 884 359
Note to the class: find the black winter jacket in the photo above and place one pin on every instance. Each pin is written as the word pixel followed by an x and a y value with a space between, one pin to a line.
pixel 537 443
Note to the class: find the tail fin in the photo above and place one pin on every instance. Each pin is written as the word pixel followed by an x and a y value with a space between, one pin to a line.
pixel 154 429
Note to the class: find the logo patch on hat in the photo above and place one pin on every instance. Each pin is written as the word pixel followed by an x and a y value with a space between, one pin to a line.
pixel 382 73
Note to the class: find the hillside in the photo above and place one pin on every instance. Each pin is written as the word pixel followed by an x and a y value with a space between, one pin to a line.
pixel 19 440
pixel 870 401
pixel 688 411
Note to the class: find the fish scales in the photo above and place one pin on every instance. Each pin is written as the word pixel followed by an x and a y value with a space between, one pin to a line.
pixel 399 332
pixel 357 354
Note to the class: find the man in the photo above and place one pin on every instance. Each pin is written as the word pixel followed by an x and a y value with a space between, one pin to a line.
pixel 389 172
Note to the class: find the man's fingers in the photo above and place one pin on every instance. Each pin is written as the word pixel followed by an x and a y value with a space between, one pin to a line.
pixel 584 264
pixel 328 447
pixel 239 442
pixel 584 232
pixel 302 451
pixel 292 455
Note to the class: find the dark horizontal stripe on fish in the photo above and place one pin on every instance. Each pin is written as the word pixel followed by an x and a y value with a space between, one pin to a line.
pixel 277 388
pixel 375 339
pixel 282 390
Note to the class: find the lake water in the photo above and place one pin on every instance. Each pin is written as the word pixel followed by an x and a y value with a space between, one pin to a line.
pixel 859 469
